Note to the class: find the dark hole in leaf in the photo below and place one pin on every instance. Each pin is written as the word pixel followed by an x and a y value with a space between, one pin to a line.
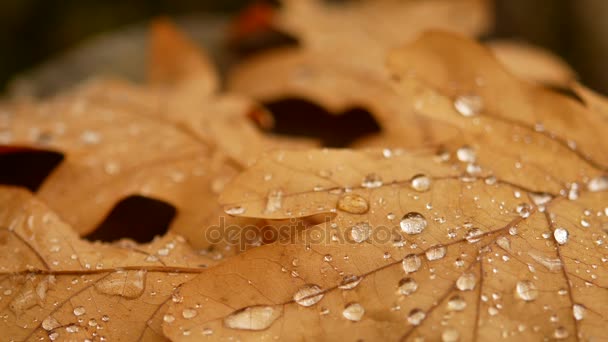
pixel 299 117
pixel 27 167
pixel 135 217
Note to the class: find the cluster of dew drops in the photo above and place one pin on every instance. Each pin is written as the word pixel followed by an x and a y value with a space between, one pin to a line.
pixel 413 223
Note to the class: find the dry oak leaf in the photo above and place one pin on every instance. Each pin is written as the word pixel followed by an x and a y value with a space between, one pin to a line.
pixel 359 32
pixel 165 142
pixel 55 286
pixel 412 250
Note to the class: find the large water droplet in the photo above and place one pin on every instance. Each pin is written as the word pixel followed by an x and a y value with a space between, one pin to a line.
pixel 411 263
pixel 416 316
pixel 598 184
pixel 353 312
pixel 526 290
pixel 473 235
pixel 456 303
pixel 560 333
pixel 579 310
pixel 353 203
pixel 308 295
pixel 466 282
pixel 189 313
pixel 350 282
pixel 407 286
pixel 169 318
pixel 552 264
pixel 236 210
pixel 79 311
pixel 50 323
pixel 560 235
pixel 524 210
pixel 253 318
pixel 129 284
pixel 372 181
pixel 361 232
pixel 421 183
pixel 436 253
pixel 413 223
pixel 450 335
pixel 468 105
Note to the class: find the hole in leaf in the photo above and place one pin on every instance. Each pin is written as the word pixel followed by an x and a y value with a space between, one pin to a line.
pixel 299 117
pixel 27 167
pixel 135 217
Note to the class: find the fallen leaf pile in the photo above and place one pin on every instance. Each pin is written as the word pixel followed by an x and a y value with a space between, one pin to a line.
pixel 477 210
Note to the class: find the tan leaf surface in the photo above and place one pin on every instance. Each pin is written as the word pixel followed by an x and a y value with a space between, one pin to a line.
pixel 56 286
pixel 502 238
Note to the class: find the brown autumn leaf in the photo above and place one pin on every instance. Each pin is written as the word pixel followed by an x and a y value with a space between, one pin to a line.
pixel 498 235
pixel 533 63
pixel 58 287
pixel 176 141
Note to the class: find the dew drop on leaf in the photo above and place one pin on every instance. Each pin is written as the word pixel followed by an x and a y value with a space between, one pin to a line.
pixel 466 154
pixel 504 243
pixel 372 181
pixel 79 311
pixel 353 312
pixel 466 282
pixel 274 201
pixel 416 316
pixel 350 282
pixel 308 295
pixel 189 313
pixel 253 318
pixel 420 183
pixel 473 235
pixel 413 223
pixel 560 235
pixel 598 184
pixel 411 263
pixel 468 105
pixel 360 232
pixel 526 290
pixel 237 210
pixel 407 286
pixel 450 335
pixel 436 253
pixel 456 303
pixel 50 323
pixel 353 203
pixel 524 210
pixel 128 284
pixel 560 333
pixel 169 318
pixel 578 311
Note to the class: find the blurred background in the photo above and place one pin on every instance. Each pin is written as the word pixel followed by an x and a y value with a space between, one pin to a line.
pixel 46 40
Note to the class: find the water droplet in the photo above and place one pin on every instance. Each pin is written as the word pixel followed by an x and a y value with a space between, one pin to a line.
pixel 560 333
pixel 456 303
pixel 416 316
pixel 308 295
pixel 407 286
pixel 413 223
pixel 353 312
pixel 350 282
pixel 189 313
pixel 253 318
pixel 573 192
pixel 237 210
pixel 599 183
pixel 361 232
pixel 372 181
pixel 53 336
pixel 560 235
pixel 411 263
pixel 466 282
pixel 466 154
pixel 540 198
pixel 79 311
pixel 128 284
pixel 105 318
pixel 72 328
pixel 552 264
pixel 328 258
pixel 468 105
pixel 169 318
pixel 353 203
pixel 504 243
pixel 274 202
pixel 526 290
pixel 436 253
pixel 90 137
pixel 473 235
pixel 579 310
pixel 450 335
pixel 524 210
pixel 50 323
pixel 421 183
